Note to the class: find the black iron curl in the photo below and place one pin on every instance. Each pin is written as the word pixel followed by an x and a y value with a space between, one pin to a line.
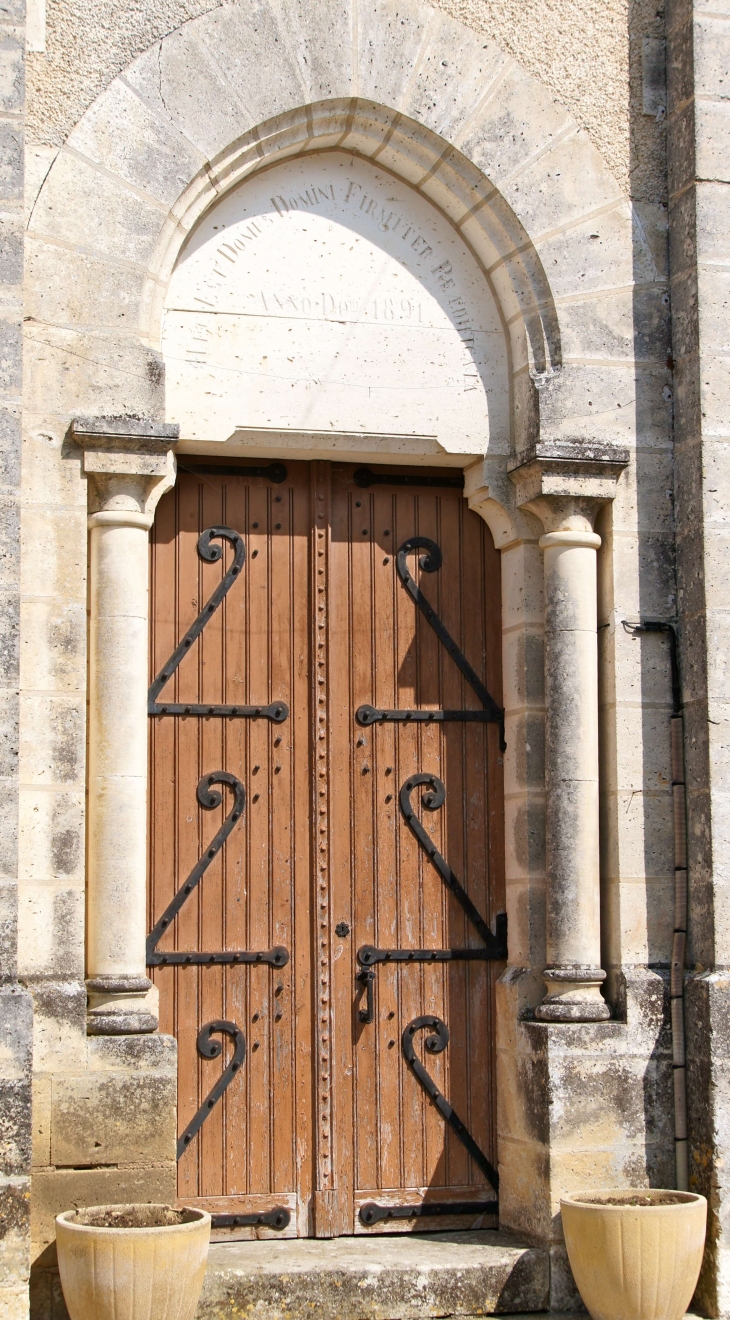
pixel 491 712
pixel 208 1048
pixel 435 1044
pixel 210 553
pixel 433 800
pixel 209 798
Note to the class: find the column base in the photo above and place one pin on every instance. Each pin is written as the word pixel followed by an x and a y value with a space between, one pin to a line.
pixel 120 1006
pixel 573 995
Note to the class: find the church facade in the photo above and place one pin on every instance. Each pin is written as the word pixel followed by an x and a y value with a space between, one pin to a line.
pixel 363 391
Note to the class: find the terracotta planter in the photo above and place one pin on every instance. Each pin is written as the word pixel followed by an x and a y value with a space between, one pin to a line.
pixel 635 1255
pixel 132 1262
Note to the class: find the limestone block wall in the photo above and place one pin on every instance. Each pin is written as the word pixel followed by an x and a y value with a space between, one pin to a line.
pixel 698 37
pixel 16 1013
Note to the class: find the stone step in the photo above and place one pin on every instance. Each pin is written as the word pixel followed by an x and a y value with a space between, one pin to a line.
pixel 399 1277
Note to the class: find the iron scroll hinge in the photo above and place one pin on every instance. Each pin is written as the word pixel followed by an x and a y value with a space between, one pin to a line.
pixel 211 1049
pixel 491 712
pixel 209 798
pixel 495 944
pixel 435 1044
pixel 276 711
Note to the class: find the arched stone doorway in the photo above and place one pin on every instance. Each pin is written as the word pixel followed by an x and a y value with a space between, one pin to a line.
pixel 447 114
pixel 343 317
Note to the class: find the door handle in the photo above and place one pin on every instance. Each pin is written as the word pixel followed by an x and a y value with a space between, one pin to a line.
pixel 366 977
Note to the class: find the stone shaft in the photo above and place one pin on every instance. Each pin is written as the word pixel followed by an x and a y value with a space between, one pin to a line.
pixel 129 466
pixel 118 762
pixel 573 974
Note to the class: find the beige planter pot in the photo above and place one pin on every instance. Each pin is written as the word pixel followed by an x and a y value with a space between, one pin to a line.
pixel 151 1272
pixel 635 1262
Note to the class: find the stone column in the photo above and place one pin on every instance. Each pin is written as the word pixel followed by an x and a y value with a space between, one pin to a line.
pixel 564 484
pixel 130 465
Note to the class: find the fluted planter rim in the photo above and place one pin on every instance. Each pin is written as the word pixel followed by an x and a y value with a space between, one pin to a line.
pixel 67 1218
pixel 663 1198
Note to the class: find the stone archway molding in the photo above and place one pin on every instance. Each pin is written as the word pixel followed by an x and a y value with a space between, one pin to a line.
pixel 244 86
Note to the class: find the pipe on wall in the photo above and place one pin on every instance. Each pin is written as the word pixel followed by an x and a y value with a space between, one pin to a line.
pixel 679 940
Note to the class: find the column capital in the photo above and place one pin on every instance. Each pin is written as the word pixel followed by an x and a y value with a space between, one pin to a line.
pixel 130 464
pixel 565 482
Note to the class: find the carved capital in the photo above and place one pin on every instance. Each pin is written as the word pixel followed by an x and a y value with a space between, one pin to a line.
pixel 130 464
pixel 565 482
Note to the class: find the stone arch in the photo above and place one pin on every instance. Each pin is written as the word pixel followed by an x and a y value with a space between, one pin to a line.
pixel 424 96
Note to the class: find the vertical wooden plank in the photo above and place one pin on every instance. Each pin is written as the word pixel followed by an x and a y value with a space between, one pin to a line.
pixel 410 1108
pixel 189 588
pixel 343 912
pixel 234 733
pixel 297 1004
pixel 211 1138
pixel 353 602
pixel 439 589
pixel 385 823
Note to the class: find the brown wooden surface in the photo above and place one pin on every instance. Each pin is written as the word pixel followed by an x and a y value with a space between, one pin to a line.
pixel 325 1114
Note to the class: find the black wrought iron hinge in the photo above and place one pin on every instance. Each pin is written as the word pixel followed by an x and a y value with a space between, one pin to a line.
pixel 491 712
pixel 276 711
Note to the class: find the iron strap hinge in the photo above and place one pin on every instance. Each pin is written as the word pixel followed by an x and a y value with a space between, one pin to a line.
pixel 279 1218
pixel 369 956
pixel 209 798
pixel 372 1213
pixel 491 712
pixel 276 711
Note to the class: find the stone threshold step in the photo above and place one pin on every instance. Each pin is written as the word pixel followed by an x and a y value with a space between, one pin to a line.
pixel 399 1277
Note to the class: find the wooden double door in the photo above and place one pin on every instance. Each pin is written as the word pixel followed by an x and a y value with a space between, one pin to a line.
pixel 326 844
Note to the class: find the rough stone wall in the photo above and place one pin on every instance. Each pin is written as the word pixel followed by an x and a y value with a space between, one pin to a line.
pixel 699 190
pixel 16 1014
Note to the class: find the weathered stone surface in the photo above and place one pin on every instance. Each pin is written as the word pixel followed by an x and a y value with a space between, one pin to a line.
pixel 104 1118
pixel 382 1278
pixel 56 1190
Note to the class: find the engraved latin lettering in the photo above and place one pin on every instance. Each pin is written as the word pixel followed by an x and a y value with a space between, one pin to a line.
pixel 306 199
pixel 443 273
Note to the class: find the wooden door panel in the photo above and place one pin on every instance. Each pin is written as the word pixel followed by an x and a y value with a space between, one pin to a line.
pixel 325 1116
pixel 386 654
pixel 254 1148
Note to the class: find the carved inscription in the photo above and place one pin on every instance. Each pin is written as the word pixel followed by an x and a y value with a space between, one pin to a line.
pixel 330 305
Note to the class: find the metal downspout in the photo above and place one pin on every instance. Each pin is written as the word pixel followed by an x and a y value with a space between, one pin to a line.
pixel 679 941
